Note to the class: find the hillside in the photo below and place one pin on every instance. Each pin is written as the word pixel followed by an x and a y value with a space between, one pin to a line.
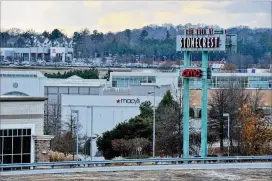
pixel 151 43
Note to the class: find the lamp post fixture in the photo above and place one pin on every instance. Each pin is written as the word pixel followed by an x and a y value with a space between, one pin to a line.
pixel 227 115
pixel 154 119
pixel 77 112
pixel 91 146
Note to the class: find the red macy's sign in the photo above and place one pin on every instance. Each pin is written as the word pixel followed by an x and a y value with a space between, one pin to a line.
pixel 192 73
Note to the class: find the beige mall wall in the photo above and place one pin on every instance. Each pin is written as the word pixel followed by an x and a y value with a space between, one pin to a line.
pixel 196 97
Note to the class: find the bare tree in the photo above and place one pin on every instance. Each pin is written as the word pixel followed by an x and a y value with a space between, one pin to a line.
pixel 52 120
pixel 256 100
pixel 226 100
pixel 230 100
pixel 131 147
pixel 63 143
pixel 66 140
pixel 217 106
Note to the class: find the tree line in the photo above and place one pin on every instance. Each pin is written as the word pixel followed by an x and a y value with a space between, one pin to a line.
pixel 250 127
pixel 133 138
pixel 249 122
pixel 156 43
pixel 85 74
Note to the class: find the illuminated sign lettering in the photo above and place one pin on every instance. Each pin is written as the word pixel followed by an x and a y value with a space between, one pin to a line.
pixel 200 42
pixel 192 73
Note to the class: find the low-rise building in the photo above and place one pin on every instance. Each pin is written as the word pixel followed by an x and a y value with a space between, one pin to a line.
pixel 95 100
pixel 31 54
pixel 21 130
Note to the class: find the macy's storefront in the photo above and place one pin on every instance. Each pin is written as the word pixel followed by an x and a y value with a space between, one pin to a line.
pixel 97 114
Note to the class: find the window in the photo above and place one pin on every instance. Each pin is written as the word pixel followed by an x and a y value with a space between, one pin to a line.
pixel 63 90
pixel 73 90
pixel 45 90
pixel 151 79
pixel 94 91
pixel 143 79
pixel 52 90
pixel 114 83
pixel 179 82
pixel 53 99
pixel 15 145
pixel 18 75
pixel 84 90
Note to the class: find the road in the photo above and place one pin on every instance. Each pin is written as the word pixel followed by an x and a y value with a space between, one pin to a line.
pixel 267 165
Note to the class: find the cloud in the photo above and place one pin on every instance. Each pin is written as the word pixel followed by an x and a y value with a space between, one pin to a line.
pixel 114 16
pixel 93 4
pixel 240 7
pixel 195 11
pixel 122 20
pixel 165 16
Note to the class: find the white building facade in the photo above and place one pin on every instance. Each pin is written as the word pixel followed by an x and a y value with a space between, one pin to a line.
pixel 21 130
pixel 97 114
pixel 24 83
pixel 96 100
pixel 37 53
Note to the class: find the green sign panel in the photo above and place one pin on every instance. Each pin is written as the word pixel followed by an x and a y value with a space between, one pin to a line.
pixel 218 32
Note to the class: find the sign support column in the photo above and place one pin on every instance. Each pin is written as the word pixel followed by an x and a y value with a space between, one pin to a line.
pixel 204 105
pixel 186 105
pixel 199 40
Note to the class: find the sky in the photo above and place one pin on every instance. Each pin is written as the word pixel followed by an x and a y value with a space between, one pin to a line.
pixel 105 16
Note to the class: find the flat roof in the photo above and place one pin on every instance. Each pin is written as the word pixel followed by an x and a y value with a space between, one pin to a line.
pixel 20 73
pixel 166 74
pixel 21 98
pixel 73 81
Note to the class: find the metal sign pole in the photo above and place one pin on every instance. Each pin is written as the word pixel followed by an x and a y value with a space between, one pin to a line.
pixel 204 105
pixel 154 125
pixel 77 134
pixel 186 106
pixel 194 40
pixel 91 140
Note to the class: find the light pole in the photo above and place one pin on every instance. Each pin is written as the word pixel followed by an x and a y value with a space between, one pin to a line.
pixel 227 115
pixel 154 120
pixel 76 111
pixel 91 139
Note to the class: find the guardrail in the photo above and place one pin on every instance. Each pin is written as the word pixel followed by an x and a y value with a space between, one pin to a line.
pixel 137 161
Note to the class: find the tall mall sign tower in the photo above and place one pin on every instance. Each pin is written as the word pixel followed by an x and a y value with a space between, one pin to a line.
pixel 199 40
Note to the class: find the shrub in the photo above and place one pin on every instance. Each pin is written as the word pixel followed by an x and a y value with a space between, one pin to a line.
pixel 55 156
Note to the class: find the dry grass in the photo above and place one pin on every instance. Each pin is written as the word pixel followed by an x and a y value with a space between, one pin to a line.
pixel 166 175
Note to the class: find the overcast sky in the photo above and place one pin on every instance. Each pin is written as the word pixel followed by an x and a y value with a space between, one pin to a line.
pixel 115 16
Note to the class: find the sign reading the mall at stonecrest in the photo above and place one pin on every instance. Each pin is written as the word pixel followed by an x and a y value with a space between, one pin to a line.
pixel 202 40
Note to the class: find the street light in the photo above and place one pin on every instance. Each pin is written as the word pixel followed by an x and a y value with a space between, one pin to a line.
pixel 154 116
pixel 91 146
pixel 77 112
pixel 227 115
pixel 91 137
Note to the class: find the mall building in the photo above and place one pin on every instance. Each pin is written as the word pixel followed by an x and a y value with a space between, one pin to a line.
pixel 100 104
pixel 30 54
pixel 22 138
